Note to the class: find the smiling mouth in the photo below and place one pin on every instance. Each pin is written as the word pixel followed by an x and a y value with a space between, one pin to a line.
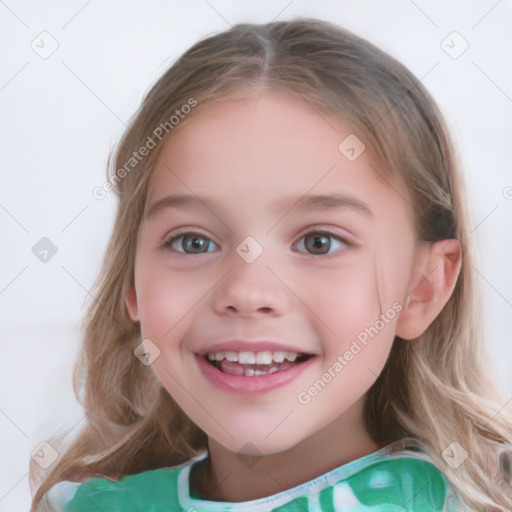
pixel 249 364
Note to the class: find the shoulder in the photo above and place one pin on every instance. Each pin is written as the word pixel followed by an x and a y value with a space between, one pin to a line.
pixel 153 490
pixel 405 480
pixel 56 498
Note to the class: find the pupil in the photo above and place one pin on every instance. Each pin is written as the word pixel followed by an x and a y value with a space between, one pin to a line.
pixel 195 242
pixel 318 242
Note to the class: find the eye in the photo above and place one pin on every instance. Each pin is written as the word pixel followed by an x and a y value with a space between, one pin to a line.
pixel 319 242
pixel 190 242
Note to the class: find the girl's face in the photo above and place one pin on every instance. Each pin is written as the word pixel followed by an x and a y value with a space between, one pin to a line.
pixel 296 243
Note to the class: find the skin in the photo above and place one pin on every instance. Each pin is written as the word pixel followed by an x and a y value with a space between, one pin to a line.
pixel 246 154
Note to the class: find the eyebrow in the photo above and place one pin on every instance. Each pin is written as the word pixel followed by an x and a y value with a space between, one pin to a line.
pixel 301 203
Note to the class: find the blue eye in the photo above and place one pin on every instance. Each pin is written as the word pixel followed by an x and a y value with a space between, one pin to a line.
pixel 315 242
pixel 193 243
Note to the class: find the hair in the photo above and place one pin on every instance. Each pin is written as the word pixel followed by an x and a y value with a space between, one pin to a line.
pixel 434 388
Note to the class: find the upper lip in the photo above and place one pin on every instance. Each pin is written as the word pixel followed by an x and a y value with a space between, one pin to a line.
pixel 250 346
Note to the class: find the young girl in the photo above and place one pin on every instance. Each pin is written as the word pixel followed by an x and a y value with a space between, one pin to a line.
pixel 286 316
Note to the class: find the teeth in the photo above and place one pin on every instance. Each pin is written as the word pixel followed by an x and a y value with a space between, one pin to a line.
pixel 278 357
pixel 247 357
pixel 291 356
pixel 219 356
pixel 231 356
pixel 264 357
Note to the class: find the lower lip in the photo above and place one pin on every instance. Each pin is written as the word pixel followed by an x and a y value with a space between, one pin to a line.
pixel 254 384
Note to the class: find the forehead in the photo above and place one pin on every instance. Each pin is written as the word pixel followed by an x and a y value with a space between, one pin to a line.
pixel 266 146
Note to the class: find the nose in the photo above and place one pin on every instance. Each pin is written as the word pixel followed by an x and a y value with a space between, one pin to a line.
pixel 251 289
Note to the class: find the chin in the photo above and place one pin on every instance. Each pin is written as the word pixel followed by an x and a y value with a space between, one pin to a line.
pixel 257 445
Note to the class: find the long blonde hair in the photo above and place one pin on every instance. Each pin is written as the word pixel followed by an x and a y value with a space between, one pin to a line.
pixel 434 388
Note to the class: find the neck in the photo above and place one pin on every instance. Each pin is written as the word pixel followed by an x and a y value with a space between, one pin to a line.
pixel 225 477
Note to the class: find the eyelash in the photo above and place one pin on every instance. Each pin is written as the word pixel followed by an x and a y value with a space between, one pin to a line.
pixel 169 242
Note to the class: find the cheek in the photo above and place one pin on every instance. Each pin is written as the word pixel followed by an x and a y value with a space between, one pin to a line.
pixel 165 297
pixel 352 324
pixel 344 298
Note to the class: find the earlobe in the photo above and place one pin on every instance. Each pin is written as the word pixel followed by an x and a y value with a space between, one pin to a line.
pixel 131 304
pixel 431 286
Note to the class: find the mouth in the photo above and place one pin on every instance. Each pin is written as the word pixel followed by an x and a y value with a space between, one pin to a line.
pixel 253 364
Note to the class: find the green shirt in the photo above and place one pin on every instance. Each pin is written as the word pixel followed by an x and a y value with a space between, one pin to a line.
pixel 396 478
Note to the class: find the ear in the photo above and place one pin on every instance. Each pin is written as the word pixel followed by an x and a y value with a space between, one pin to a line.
pixel 130 302
pixel 437 268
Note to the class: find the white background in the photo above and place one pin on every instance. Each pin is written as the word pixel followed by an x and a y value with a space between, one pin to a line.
pixel 60 116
